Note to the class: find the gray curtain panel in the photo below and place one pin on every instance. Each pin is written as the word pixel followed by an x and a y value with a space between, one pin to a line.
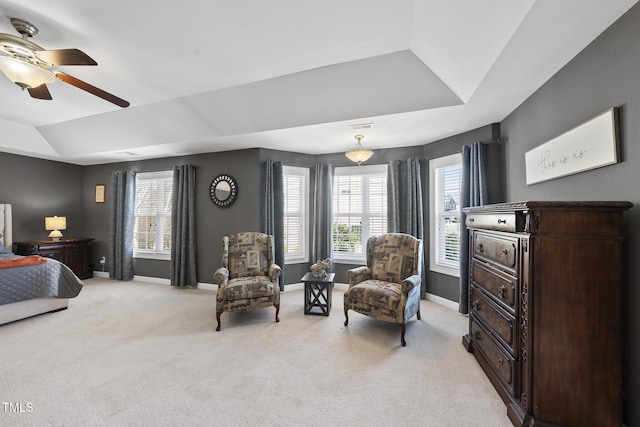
pixel 273 210
pixel 322 246
pixel 473 193
pixel 121 199
pixel 404 206
pixel 404 190
pixel 183 227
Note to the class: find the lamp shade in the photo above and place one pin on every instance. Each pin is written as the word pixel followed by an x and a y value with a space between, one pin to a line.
pixel 55 223
pixel 25 74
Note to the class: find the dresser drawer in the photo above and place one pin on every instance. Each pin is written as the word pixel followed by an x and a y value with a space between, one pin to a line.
pixel 502 363
pixel 500 251
pixel 501 286
pixel 499 322
pixel 505 221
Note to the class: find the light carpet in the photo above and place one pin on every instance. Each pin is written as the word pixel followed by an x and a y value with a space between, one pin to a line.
pixel 142 354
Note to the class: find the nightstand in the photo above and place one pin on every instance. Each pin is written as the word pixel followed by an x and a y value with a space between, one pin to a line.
pixel 72 252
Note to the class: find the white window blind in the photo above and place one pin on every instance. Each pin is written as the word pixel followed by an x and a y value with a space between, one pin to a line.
pixel 295 183
pixel 359 209
pixel 152 215
pixel 445 174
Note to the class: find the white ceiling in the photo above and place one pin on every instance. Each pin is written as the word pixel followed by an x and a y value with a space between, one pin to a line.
pixel 206 76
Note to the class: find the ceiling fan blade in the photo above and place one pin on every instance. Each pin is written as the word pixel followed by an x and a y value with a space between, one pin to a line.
pixel 40 92
pixel 92 89
pixel 65 57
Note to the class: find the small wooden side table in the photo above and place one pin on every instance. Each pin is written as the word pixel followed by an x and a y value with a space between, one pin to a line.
pixel 317 293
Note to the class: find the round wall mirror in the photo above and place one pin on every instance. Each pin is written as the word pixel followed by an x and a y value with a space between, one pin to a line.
pixel 224 191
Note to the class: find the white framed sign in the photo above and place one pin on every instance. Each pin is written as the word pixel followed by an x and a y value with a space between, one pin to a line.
pixel 591 145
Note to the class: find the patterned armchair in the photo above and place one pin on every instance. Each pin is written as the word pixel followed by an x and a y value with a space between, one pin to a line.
pixel 388 288
pixel 248 279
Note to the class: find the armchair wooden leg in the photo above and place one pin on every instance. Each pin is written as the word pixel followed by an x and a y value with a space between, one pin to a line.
pixel 404 343
pixel 218 313
pixel 346 316
pixel 419 318
pixel 277 311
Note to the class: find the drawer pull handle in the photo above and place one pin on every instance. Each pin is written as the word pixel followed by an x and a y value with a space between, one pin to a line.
pixel 505 251
pixel 500 361
pixel 501 291
pixel 476 305
pixel 476 336
pixel 472 219
pixel 480 247
pixel 502 221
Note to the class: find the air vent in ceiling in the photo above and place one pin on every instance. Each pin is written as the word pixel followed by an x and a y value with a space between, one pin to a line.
pixel 361 126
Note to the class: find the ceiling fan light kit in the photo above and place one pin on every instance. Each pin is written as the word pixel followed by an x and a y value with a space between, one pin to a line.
pixel 25 74
pixel 359 154
pixel 29 66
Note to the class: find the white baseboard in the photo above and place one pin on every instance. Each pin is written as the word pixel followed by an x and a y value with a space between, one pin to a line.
pixel 208 286
pixel 167 282
pixel 442 301
pixel 293 287
pixel 149 279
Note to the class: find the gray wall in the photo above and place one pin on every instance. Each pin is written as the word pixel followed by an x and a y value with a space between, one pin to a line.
pixel 69 191
pixel 606 74
pixel 37 188
pixel 212 222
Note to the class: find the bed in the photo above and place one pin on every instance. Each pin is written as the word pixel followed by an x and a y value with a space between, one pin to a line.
pixel 42 286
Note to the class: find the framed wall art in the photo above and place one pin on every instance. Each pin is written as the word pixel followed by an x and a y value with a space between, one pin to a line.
pixel 101 193
pixel 591 145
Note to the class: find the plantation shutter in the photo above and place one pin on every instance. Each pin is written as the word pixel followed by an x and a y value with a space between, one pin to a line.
pixel 293 214
pixel 152 212
pixel 448 215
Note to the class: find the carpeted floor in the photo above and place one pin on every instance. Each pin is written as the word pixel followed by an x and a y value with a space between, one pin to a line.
pixel 138 354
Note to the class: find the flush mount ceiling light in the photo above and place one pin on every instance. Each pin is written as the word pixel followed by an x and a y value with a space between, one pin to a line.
pixel 359 154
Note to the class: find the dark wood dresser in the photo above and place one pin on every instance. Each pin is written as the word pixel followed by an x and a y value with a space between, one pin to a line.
pixel 72 252
pixel 545 315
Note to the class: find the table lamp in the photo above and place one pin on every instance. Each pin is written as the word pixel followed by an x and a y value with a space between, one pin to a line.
pixel 55 223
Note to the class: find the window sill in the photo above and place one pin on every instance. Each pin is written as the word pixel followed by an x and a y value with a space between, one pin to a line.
pixel 152 255
pixel 353 261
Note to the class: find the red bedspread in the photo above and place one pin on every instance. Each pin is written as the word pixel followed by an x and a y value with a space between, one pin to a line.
pixel 22 261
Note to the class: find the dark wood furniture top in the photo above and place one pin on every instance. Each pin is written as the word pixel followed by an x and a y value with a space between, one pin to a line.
pixel 72 252
pixel 317 293
pixel 545 315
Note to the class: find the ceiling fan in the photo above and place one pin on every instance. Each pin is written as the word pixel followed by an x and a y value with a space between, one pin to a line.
pixel 29 65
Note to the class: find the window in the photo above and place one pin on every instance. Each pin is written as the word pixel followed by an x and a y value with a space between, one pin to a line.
pixel 152 215
pixel 296 229
pixel 444 182
pixel 359 209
